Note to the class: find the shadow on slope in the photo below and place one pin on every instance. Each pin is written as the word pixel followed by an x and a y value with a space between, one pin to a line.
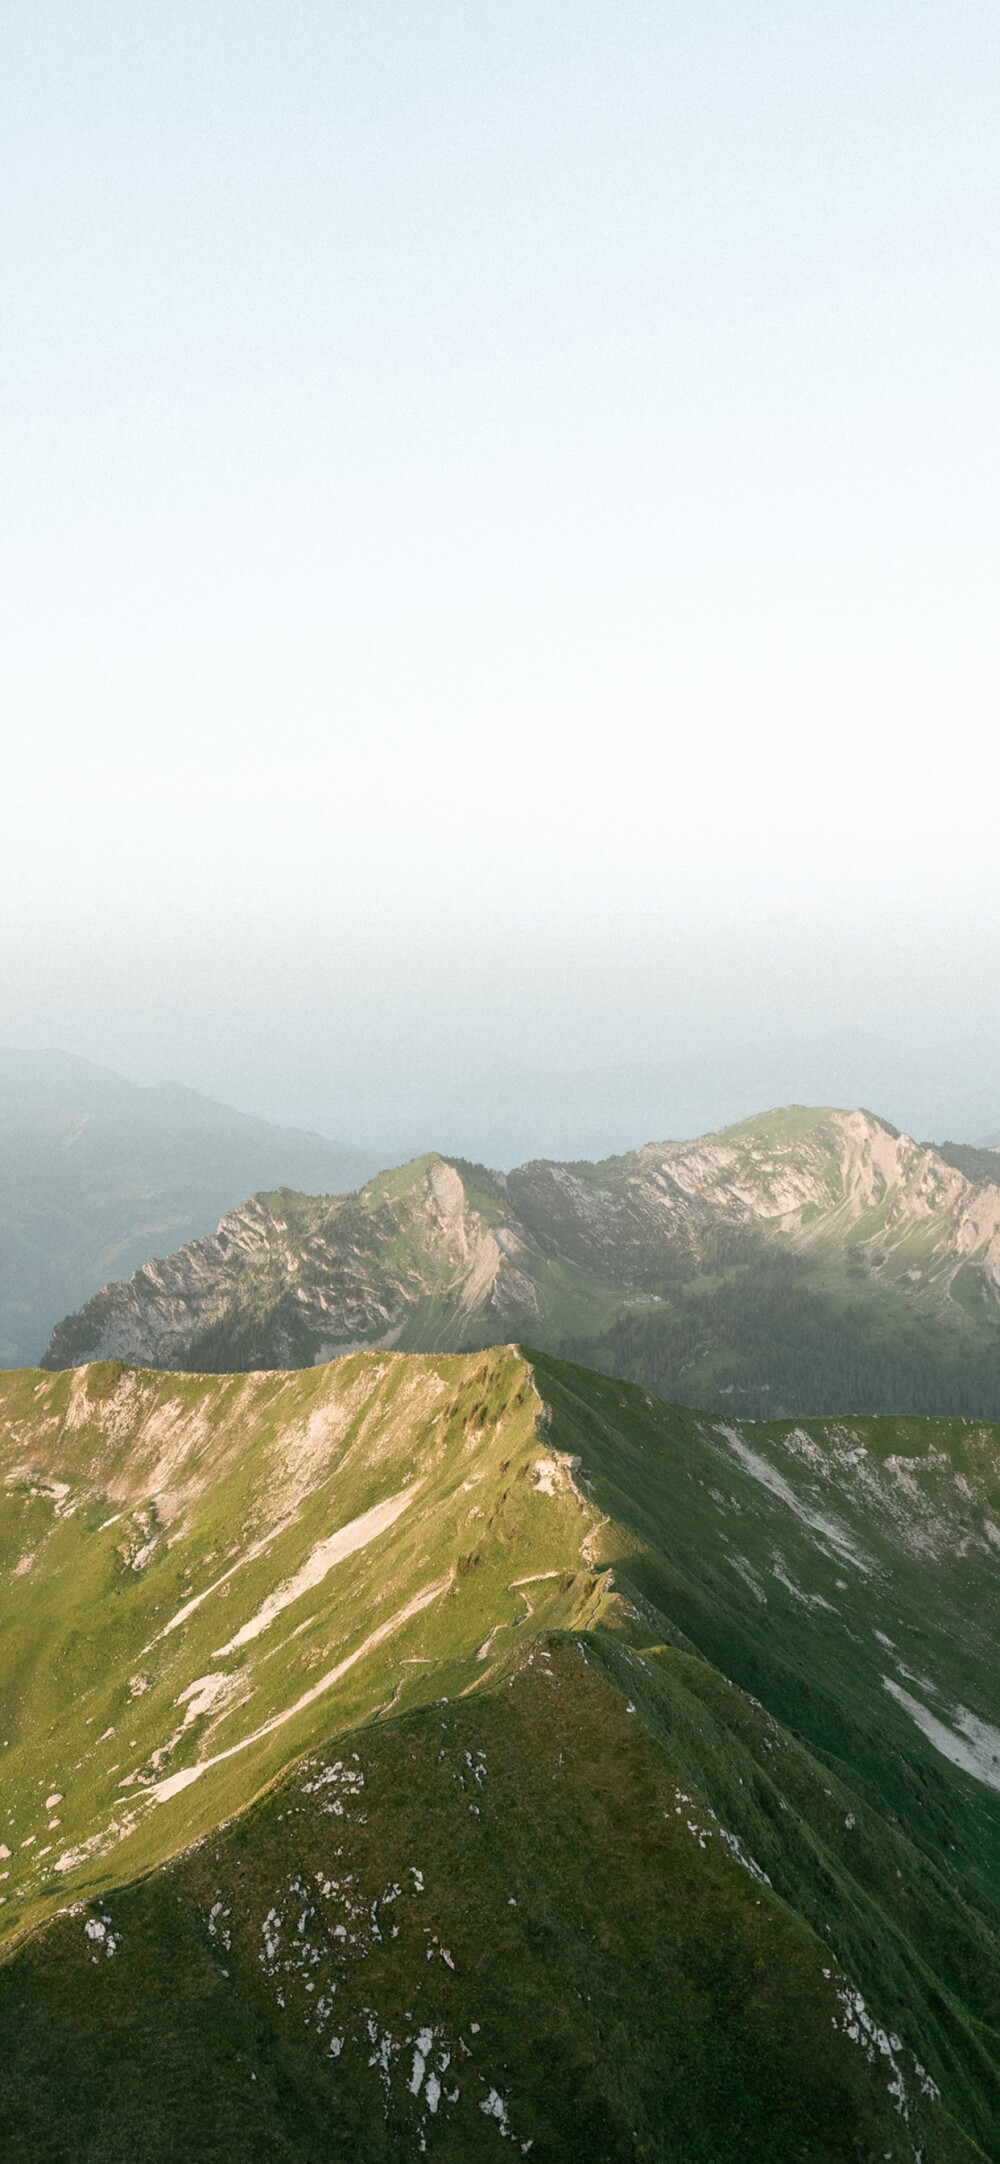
pixel 672 1770
pixel 501 1924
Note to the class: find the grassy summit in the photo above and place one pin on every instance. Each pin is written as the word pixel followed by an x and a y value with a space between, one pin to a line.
pixel 469 1755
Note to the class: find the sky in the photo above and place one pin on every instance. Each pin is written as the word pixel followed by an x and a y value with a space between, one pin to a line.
pixel 498 532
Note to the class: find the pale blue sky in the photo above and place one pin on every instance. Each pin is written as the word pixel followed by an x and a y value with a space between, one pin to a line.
pixel 496 473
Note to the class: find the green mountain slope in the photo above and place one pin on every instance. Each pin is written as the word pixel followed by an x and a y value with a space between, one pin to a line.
pixel 633 1774
pixel 806 1260
pixel 564 1971
pixel 96 1174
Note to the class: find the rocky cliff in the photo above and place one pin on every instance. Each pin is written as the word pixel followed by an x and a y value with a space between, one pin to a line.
pixel 887 1234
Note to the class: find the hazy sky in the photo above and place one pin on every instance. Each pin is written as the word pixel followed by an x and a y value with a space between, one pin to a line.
pixel 497 482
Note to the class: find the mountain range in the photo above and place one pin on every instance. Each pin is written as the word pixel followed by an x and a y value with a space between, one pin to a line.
pixel 500 1112
pixel 467 1755
pixel 96 1173
pixel 804 1261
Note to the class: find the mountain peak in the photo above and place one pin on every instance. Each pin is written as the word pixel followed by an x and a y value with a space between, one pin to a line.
pixel 663 1261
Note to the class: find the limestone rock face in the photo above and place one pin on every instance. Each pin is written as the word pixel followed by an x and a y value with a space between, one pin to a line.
pixel 442 1254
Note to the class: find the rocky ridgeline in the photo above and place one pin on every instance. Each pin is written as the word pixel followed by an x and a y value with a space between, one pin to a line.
pixel 443 1254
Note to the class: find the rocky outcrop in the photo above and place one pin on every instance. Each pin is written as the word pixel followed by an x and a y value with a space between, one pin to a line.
pixel 290 1279
pixel 442 1254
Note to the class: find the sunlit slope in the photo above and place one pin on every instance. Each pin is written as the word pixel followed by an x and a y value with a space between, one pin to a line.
pixel 805 1260
pixel 205 1577
pixel 203 1573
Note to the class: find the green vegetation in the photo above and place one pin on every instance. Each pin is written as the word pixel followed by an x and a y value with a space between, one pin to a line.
pixel 806 1261
pixel 767 1333
pixel 526 1921
pixel 635 1771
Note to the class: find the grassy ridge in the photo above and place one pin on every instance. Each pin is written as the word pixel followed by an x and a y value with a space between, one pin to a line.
pixel 505 1918
pixel 147 1520
pixel 736 1691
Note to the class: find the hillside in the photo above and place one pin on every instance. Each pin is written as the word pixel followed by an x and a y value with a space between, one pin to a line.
pixel 417 1755
pixel 805 1260
pixel 96 1175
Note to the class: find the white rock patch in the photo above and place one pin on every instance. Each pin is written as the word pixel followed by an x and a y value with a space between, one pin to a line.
pixel 976 1749
pixel 768 1476
pixel 323 1558
pixel 175 1782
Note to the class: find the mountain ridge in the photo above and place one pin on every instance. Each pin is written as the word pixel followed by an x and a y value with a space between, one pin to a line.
pixel 885 1244
pixel 503 1112
pixel 481 1699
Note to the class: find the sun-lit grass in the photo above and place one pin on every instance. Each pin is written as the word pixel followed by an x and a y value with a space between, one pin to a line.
pixel 670 1635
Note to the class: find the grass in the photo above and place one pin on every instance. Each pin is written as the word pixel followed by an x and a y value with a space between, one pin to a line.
pixel 628 1720
pixel 511 1881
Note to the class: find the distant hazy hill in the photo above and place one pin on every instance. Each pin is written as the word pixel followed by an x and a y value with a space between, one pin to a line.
pixel 97 1174
pixel 981 1163
pixel 506 1115
pixel 803 1261
pixel 471 1758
